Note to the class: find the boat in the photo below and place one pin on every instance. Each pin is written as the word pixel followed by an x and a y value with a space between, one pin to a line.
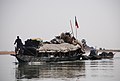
pixel 61 48
pixel 95 56
pixel 106 55
pixel 92 56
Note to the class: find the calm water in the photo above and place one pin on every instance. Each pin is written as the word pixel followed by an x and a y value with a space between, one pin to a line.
pixel 85 70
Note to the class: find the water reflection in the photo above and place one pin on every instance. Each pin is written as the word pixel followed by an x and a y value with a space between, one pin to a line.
pixel 102 63
pixel 100 68
pixel 83 70
pixel 51 70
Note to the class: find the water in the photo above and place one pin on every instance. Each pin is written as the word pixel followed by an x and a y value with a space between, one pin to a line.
pixel 84 70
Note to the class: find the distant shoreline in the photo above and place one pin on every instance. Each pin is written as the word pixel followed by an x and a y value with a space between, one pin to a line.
pixel 109 50
pixel 6 52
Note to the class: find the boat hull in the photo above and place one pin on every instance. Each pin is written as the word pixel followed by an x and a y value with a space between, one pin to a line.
pixel 26 58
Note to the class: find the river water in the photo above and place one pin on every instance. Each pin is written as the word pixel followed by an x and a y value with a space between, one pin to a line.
pixel 83 70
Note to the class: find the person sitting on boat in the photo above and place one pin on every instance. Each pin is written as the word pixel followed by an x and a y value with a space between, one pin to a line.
pixel 19 45
pixel 75 42
pixel 93 52
pixel 67 38
pixel 71 39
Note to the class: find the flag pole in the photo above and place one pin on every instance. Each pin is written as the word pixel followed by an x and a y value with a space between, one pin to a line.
pixel 77 26
pixel 76 32
pixel 71 27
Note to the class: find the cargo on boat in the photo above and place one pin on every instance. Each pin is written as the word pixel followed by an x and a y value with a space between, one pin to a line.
pixel 62 48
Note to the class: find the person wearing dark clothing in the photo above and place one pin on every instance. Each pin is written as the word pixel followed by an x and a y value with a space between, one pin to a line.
pixel 93 52
pixel 19 45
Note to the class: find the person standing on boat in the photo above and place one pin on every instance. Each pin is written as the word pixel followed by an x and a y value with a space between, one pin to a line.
pixel 19 45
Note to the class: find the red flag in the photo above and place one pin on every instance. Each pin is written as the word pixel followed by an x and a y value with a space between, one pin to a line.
pixel 76 24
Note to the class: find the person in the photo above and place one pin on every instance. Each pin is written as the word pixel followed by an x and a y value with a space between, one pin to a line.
pixel 93 52
pixel 19 45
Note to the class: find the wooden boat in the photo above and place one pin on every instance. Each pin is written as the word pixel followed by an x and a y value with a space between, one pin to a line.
pixel 50 53
pixel 58 49
pixel 106 55
pixel 92 56
pixel 95 56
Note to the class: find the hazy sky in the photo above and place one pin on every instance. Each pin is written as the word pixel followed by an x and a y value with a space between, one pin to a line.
pixel 99 20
